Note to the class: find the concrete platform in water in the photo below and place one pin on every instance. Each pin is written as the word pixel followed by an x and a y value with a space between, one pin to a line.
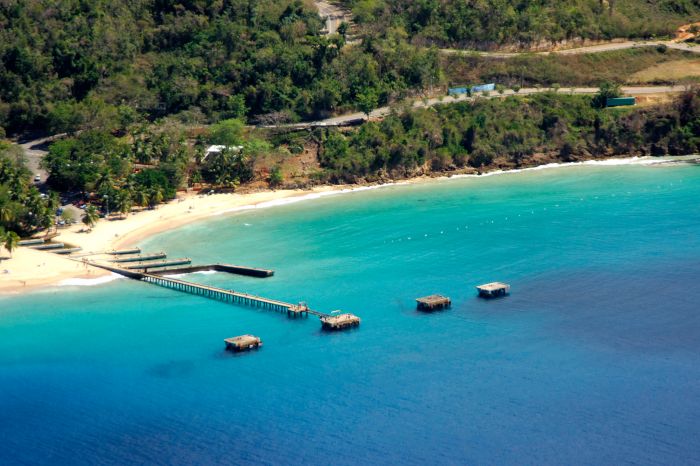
pixel 433 302
pixel 493 290
pixel 242 343
pixel 339 321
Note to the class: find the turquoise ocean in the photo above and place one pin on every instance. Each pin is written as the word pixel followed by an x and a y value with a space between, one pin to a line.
pixel 593 359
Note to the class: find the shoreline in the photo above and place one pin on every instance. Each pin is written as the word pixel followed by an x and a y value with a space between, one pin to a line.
pixel 30 270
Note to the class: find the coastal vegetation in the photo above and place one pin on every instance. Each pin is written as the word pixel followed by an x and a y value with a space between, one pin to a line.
pixel 473 136
pixel 526 23
pixel 23 209
pixel 9 240
pixel 508 133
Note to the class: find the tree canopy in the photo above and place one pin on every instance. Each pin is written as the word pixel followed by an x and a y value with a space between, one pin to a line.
pixel 104 65
pixel 489 23
pixel 22 208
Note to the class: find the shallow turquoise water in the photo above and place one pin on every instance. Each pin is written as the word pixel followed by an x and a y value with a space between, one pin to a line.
pixel 593 359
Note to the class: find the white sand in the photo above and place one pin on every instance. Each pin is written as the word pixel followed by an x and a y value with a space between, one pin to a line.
pixel 28 269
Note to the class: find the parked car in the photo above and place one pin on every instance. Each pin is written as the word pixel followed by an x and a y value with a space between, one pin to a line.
pixel 37 178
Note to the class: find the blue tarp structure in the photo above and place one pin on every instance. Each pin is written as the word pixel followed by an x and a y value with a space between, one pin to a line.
pixel 484 88
pixel 457 90
pixel 471 90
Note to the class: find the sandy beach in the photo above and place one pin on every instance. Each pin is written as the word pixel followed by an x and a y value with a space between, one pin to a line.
pixel 29 269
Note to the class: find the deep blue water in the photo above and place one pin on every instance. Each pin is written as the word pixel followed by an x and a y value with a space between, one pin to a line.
pixel 593 359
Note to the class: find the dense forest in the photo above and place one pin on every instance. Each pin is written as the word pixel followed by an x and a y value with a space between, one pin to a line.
pixel 508 133
pixel 484 24
pixel 104 64
pixel 107 65
pixel 144 86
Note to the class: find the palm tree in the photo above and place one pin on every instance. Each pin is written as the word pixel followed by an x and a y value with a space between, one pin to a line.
pixel 141 197
pixel 123 203
pixel 155 197
pixel 54 201
pixel 11 241
pixel 90 217
pixel 104 184
pixel 7 213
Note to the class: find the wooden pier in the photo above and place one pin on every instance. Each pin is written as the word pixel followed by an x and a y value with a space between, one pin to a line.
pixel 140 257
pixel 433 302
pixel 47 246
pixel 122 252
pixel 68 250
pixel 228 296
pixel 493 290
pixel 328 321
pixel 159 264
pixel 243 343
pixel 227 268
pixel 30 242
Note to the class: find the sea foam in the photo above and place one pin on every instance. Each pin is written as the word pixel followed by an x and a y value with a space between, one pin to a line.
pixel 90 281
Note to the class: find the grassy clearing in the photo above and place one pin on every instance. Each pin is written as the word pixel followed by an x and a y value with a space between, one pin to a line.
pixel 567 70
pixel 678 70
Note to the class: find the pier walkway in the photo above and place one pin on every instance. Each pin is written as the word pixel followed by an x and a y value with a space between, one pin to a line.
pixel 333 321
pixel 219 294
pixel 230 296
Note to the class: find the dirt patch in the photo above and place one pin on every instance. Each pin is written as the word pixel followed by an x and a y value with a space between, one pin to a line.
pixel 666 72
pixel 297 164
pixel 687 32
pixel 650 100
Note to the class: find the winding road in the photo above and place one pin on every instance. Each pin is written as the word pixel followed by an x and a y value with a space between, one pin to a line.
pixel 609 47
pixel 381 112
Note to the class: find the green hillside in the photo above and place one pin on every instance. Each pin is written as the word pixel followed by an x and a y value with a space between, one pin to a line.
pixel 72 64
pixel 483 23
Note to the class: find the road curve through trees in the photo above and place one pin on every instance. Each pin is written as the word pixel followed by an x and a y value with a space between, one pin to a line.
pixel 333 15
pixel 600 48
pixel 381 112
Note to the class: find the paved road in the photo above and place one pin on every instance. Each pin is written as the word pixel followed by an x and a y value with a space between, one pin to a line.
pixel 381 112
pixel 35 151
pixel 582 50
pixel 333 15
